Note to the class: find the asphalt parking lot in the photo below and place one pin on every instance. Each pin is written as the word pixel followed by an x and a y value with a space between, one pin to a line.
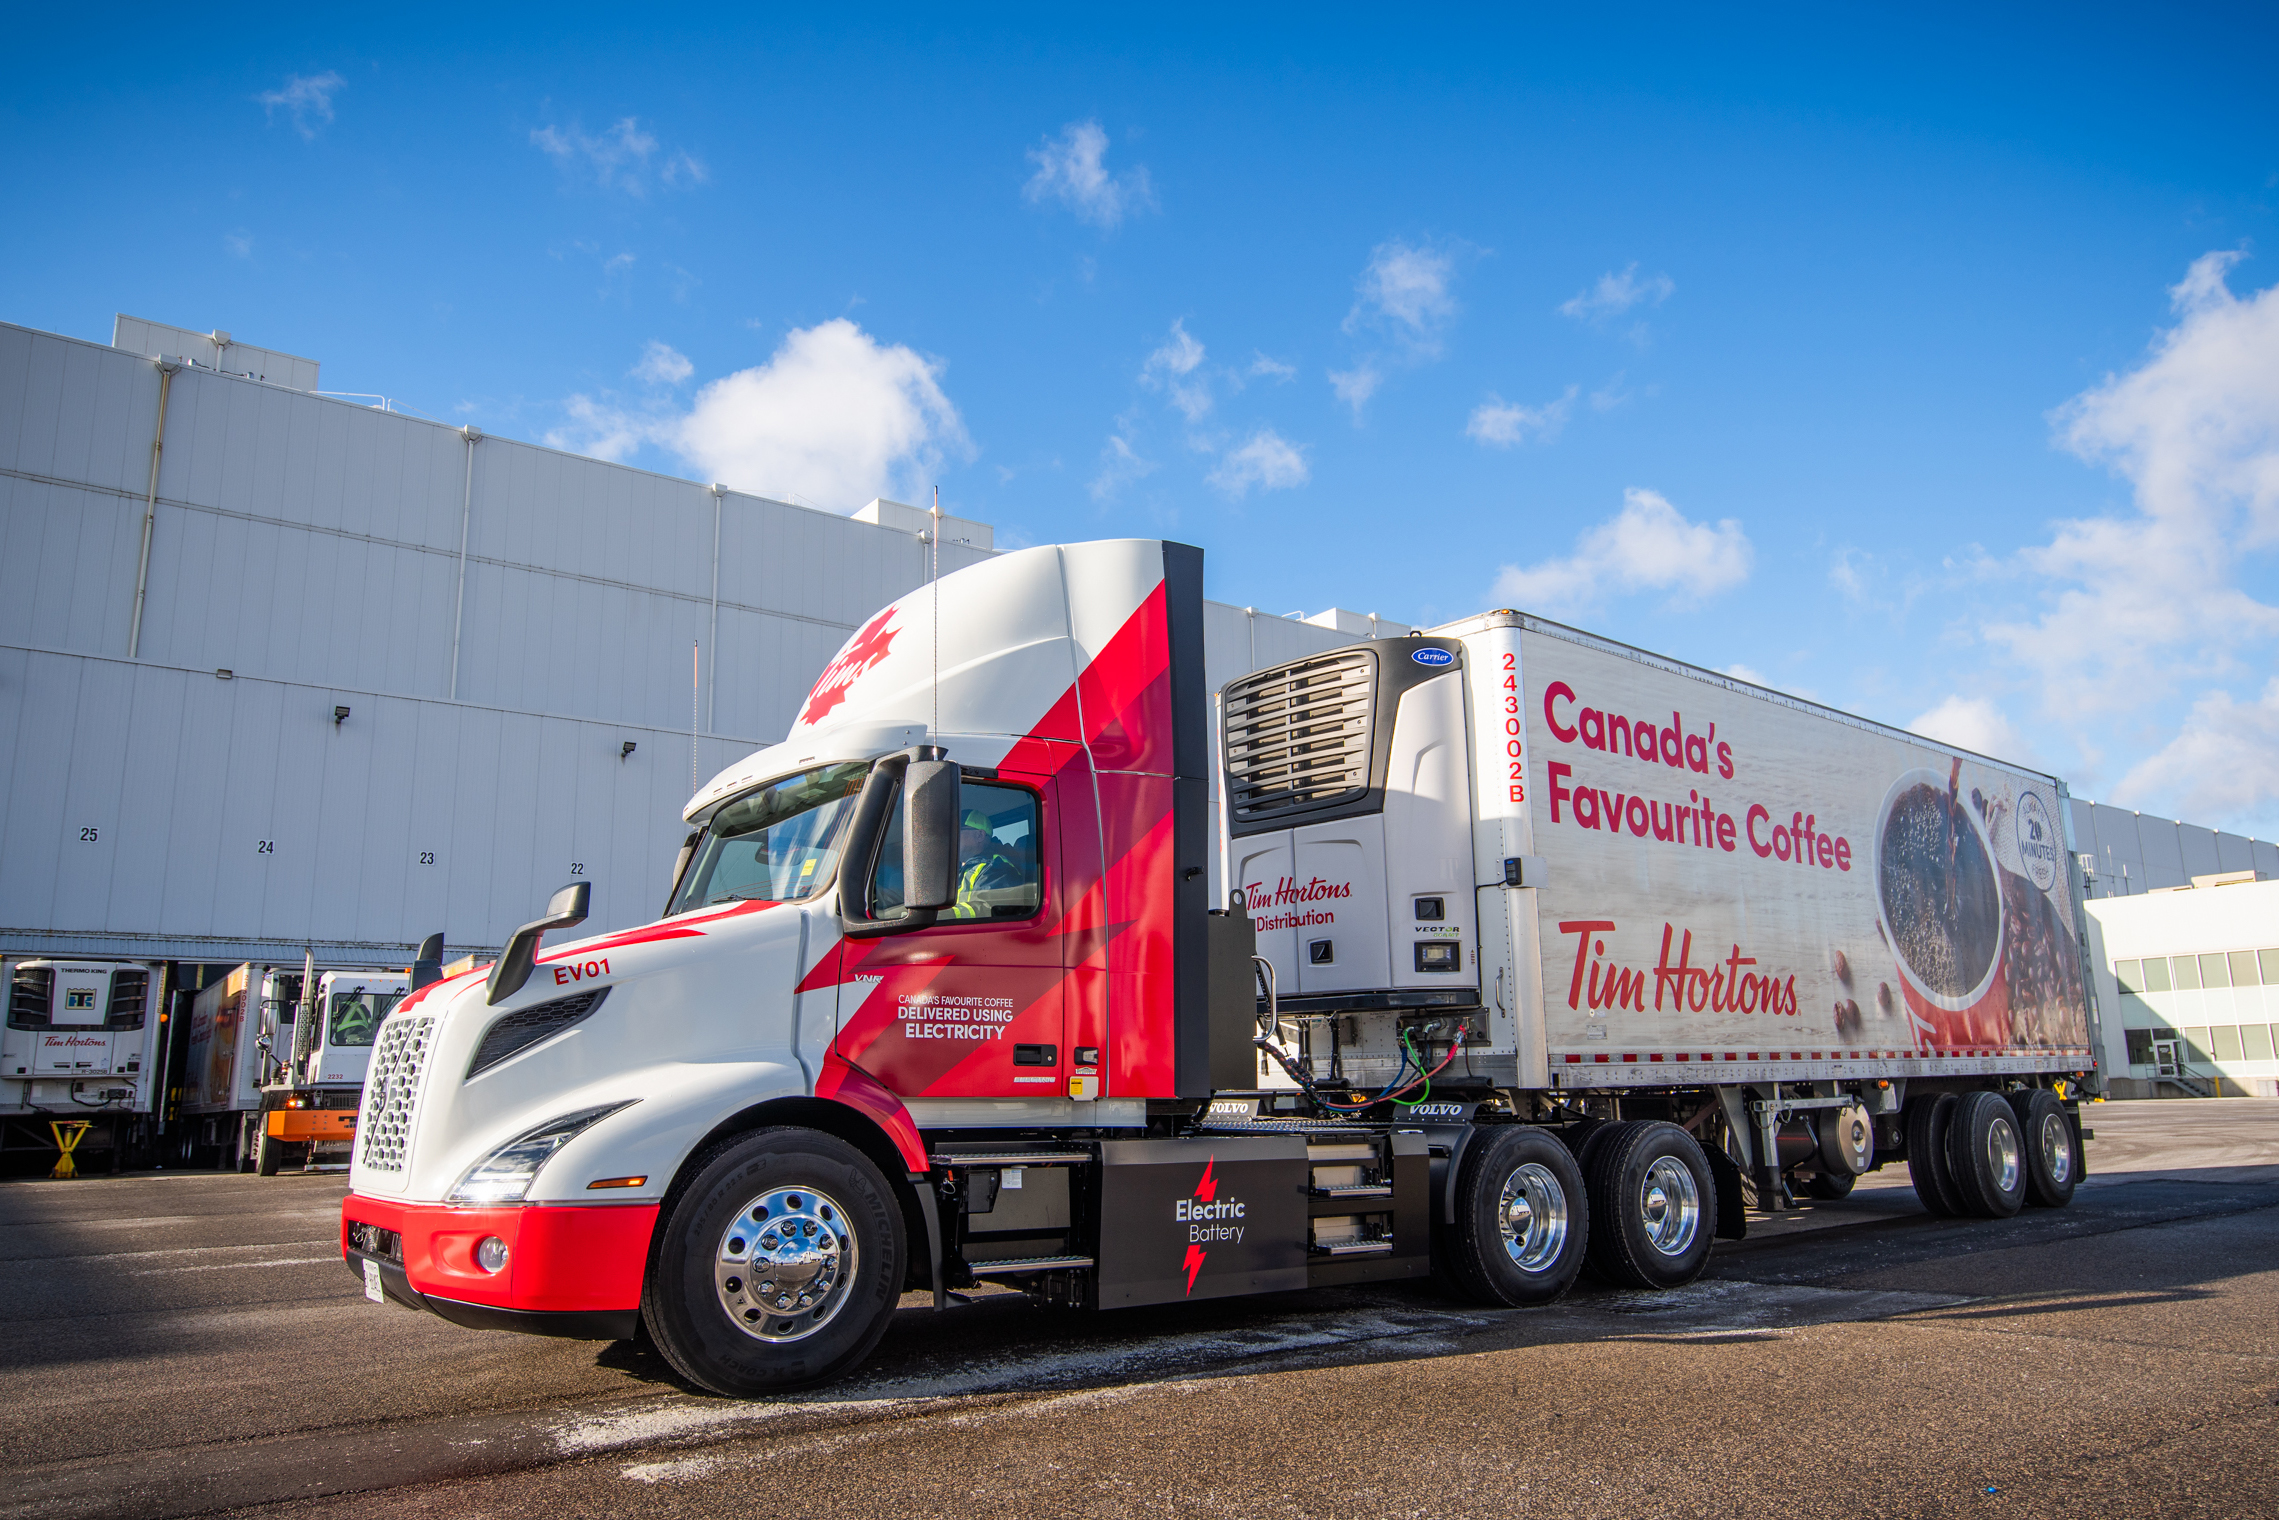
pixel 190 1344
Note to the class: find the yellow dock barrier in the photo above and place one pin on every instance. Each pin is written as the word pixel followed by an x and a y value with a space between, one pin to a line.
pixel 67 1143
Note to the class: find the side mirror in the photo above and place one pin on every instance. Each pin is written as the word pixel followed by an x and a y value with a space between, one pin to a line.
pixel 930 835
pixel 427 966
pixel 566 909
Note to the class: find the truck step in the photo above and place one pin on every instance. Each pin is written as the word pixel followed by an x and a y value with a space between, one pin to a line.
pixel 1340 1248
pixel 1008 1158
pixel 1283 1127
pixel 1021 1264
pixel 1355 1190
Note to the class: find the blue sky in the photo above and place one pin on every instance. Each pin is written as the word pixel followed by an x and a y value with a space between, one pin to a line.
pixel 1926 364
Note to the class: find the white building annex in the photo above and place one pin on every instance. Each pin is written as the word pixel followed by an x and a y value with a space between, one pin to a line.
pixel 375 676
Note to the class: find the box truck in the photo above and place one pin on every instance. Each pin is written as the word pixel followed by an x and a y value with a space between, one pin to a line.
pixel 1510 948
pixel 82 1041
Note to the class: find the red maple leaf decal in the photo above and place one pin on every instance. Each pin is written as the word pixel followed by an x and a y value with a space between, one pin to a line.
pixel 1193 1264
pixel 1208 1188
pixel 865 649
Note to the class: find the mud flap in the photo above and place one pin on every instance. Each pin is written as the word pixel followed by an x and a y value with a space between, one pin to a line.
pixel 1732 1209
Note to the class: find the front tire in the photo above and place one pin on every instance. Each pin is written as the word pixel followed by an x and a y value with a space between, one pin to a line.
pixel 778 1266
pixel 268 1152
pixel 2053 1156
pixel 1655 1204
pixel 1522 1225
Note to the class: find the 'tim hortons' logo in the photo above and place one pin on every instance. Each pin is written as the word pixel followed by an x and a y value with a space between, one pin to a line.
pixel 865 649
pixel 1206 1216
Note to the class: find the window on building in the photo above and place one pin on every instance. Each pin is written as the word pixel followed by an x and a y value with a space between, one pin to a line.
pixel 2224 1043
pixel 2255 1042
pixel 2140 1045
pixel 2267 961
pixel 2130 974
pixel 2215 971
pixel 2243 968
pixel 2187 969
pixel 2196 1045
pixel 2156 974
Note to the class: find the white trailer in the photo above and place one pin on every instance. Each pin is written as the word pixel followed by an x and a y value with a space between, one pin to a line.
pixel 82 1041
pixel 1532 948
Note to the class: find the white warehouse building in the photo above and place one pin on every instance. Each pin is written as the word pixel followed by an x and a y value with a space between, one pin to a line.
pixel 282 672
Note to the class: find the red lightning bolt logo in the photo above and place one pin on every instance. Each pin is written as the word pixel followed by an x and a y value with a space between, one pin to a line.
pixel 1205 1191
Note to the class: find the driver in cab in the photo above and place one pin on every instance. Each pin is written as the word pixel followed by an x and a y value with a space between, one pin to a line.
pixel 984 865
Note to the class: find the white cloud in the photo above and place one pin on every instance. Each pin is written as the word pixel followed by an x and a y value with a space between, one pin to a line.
pixel 621 157
pixel 1265 460
pixel 1355 386
pixel 2143 605
pixel 1172 368
pixel 1405 291
pixel 832 419
pixel 661 364
pixel 1500 423
pixel 1616 292
pixel 306 98
pixel 1975 723
pixel 1748 673
pixel 1647 546
pixel 240 244
pixel 1071 169
pixel 1120 465
pixel 2223 764
pixel 1264 368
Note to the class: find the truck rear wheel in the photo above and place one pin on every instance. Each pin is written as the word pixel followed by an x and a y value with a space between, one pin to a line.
pixel 1986 1157
pixel 2053 1165
pixel 1831 1186
pixel 1522 1226
pixel 777 1267
pixel 1654 1203
pixel 268 1152
pixel 1928 1118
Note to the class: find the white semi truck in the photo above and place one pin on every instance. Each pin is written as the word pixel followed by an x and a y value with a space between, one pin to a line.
pixel 1526 949
pixel 277 1057
pixel 83 1040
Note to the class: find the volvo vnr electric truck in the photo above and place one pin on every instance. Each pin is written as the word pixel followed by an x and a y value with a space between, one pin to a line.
pixel 1526 948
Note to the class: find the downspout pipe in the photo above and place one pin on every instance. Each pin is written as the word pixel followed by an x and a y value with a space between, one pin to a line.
pixel 712 686
pixel 167 365
pixel 473 435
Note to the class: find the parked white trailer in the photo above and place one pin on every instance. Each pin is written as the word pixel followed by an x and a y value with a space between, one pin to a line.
pixel 1535 949
pixel 82 1041
pixel 258 1043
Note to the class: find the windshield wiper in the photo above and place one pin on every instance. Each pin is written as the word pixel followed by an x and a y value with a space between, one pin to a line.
pixel 727 897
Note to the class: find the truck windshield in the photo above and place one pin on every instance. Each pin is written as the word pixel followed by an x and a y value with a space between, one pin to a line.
pixel 356 1016
pixel 778 844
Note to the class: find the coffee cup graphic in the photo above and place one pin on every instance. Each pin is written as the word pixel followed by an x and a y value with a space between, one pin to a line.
pixel 1939 904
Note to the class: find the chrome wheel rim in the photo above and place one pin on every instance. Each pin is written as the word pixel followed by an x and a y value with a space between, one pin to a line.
pixel 1532 1217
pixel 2057 1149
pixel 1669 1205
pixel 2002 1154
pixel 785 1264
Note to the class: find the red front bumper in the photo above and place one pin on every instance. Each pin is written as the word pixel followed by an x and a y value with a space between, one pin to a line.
pixel 566 1259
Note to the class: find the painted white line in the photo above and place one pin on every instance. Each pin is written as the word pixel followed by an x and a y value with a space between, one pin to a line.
pixel 225 1266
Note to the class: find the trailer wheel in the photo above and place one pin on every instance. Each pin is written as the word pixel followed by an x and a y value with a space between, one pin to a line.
pixel 777 1267
pixel 1655 1203
pixel 1831 1186
pixel 268 1152
pixel 1928 1119
pixel 2053 1165
pixel 1522 1225
pixel 1986 1156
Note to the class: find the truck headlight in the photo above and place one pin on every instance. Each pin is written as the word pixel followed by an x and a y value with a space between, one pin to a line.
pixel 505 1175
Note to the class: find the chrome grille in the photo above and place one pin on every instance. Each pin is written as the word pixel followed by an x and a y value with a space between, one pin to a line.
pixel 391 1088
pixel 1297 736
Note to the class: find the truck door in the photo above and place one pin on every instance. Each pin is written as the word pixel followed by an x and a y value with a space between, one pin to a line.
pixel 974 1006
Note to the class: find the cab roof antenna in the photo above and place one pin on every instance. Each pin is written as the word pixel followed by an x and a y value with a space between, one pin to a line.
pixel 934 579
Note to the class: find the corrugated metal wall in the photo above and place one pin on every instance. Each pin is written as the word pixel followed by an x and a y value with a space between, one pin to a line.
pixel 2136 852
pixel 311 547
